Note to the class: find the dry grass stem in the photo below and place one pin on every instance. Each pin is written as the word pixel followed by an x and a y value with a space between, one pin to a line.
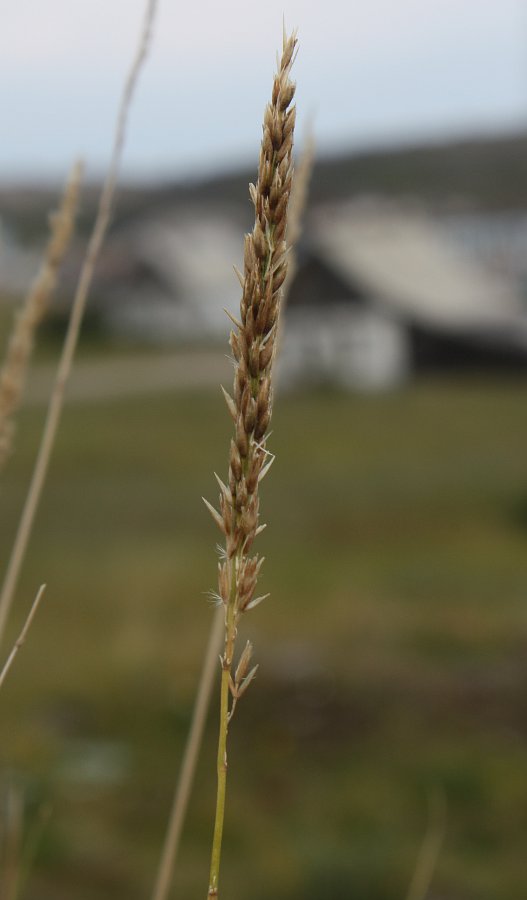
pixel 253 345
pixel 297 206
pixel 190 758
pixel 77 312
pixel 23 634
pixel 297 209
pixel 430 848
pixel 13 374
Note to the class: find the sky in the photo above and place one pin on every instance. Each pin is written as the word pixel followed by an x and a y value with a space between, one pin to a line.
pixel 369 74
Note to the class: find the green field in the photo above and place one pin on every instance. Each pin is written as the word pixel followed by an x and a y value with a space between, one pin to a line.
pixel 392 650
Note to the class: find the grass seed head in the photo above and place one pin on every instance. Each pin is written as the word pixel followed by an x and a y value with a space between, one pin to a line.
pixel 254 335
pixel 13 374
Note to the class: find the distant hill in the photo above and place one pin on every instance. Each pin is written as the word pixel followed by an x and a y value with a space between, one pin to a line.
pixel 486 173
pixel 477 173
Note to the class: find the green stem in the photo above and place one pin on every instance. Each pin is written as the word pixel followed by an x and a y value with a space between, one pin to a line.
pixel 230 633
pixel 222 785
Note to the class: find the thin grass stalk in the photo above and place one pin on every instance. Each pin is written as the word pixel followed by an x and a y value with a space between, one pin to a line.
pixel 297 210
pixel 100 228
pixel 36 304
pixel 430 849
pixel 253 346
pixel 296 215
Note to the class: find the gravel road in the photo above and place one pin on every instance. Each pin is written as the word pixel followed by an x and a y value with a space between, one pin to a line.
pixel 109 379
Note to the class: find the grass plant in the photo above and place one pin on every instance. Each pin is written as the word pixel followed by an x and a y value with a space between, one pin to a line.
pixel 253 346
pixel 14 370
pixel 297 205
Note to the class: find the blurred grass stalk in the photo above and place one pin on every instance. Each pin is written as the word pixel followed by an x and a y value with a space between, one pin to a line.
pixel 35 306
pixel 56 402
pixel 14 370
pixel 430 849
pixel 190 757
pixel 23 634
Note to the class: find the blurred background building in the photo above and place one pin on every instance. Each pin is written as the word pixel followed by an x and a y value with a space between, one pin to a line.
pixel 428 273
pixel 416 228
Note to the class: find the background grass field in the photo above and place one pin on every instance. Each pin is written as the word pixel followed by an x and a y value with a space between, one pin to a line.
pixel 392 650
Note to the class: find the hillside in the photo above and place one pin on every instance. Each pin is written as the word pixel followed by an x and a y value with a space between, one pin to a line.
pixel 483 173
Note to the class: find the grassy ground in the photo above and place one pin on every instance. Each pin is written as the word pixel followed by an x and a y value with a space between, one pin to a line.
pixel 392 649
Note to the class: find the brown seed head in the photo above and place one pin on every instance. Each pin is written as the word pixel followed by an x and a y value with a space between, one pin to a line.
pixel 13 374
pixel 253 340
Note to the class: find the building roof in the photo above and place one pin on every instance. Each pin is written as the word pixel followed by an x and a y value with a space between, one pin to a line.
pixel 402 259
pixel 195 254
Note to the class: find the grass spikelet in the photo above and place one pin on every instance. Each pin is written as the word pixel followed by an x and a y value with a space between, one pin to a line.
pixel 13 374
pixel 253 344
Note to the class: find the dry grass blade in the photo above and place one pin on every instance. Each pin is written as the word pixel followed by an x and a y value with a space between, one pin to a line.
pixel 77 312
pixel 23 634
pixel 253 346
pixel 13 374
pixel 297 209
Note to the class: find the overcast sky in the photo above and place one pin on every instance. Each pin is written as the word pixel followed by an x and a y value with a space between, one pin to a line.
pixel 370 73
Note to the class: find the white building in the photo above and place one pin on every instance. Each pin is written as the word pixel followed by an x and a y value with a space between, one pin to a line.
pixel 381 291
